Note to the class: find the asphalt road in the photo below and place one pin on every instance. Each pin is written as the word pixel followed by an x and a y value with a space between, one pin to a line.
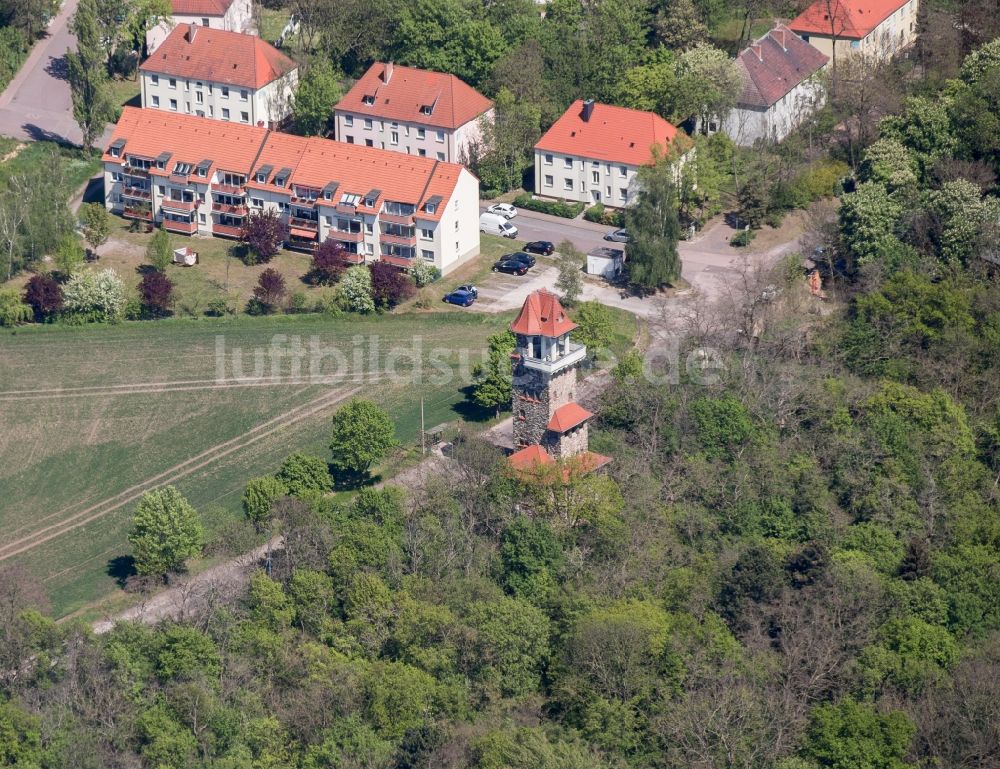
pixel 36 105
pixel 535 226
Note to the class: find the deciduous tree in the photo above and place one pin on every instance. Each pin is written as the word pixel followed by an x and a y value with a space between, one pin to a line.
pixel 165 532
pixel 654 228
pixel 96 223
pixel 159 254
pixel 44 295
pixel 362 435
pixel 328 264
pixel 492 379
pixel 263 233
pixel 157 293
pixel 570 280
pixel 312 106
pixel 93 106
pixel 390 285
pixel 302 473
pixel 270 290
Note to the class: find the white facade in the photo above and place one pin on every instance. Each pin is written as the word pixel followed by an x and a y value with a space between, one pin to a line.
pixel 896 32
pixel 265 106
pixel 746 125
pixel 238 18
pixel 584 180
pixel 403 136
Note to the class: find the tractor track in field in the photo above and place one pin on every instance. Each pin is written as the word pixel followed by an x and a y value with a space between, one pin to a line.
pixel 189 466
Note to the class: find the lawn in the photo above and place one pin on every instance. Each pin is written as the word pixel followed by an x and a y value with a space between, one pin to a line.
pixel 78 165
pixel 93 416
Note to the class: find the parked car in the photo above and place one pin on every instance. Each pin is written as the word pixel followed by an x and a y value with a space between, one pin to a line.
pixel 495 224
pixel 543 247
pixel 511 267
pixel 519 256
pixel 470 288
pixel 460 297
pixel 618 236
pixel 506 210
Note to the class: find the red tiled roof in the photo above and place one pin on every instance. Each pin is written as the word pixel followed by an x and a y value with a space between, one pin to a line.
pixel 454 102
pixel 850 19
pixel 774 65
pixel 217 56
pixel 613 134
pixel 541 314
pixel 200 7
pixel 530 457
pixel 313 162
pixel 587 462
pixel 567 417
pixel 189 139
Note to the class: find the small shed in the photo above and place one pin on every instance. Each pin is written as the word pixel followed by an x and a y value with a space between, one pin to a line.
pixel 186 257
pixel 606 262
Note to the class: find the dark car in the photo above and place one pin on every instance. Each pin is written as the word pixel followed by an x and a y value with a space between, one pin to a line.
pixel 469 288
pixel 618 236
pixel 460 297
pixel 511 267
pixel 542 247
pixel 526 259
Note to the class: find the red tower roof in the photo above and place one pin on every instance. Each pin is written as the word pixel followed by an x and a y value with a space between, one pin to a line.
pixel 529 458
pixel 567 417
pixel 542 315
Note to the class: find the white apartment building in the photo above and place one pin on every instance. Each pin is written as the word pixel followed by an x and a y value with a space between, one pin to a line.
pixel 220 75
pixel 227 15
pixel 878 28
pixel 593 153
pixel 428 114
pixel 196 176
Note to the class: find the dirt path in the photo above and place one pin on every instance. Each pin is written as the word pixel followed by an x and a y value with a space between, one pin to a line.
pixel 175 473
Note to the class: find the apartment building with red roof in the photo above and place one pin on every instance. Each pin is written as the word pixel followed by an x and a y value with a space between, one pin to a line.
pixel 593 152
pixel 197 176
pixel 876 27
pixel 415 111
pixel 781 87
pixel 228 15
pixel 220 75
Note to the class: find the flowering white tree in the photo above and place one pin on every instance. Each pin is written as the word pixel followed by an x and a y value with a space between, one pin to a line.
pixel 97 296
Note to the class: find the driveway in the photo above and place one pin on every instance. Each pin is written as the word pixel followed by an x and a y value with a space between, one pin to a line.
pixel 532 225
pixel 36 105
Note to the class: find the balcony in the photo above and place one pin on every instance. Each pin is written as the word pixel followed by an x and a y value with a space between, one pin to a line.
pixel 136 193
pixel 181 180
pixel 397 261
pixel 228 189
pixel 388 239
pixel 226 230
pixel 185 228
pixel 346 237
pixel 404 220
pixel 179 205
pixel 303 202
pixel 344 208
pixel 304 224
pixel 577 352
pixel 351 258
pixel 225 208
pixel 143 214
pixel 142 173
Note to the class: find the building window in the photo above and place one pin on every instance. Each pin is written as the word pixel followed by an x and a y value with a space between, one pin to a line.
pixel 394 137
pixel 567 162
pixel 428 255
pixel 607 191
pixel 422 152
pixel 548 180
pixel 421 133
pixel 199 97
pixel 456 245
pixel 349 139
pixel 567 184
pixel 173 104
pixel 225 92
pixel 622 171
pixel 154 79
pixel 244 117
pixel 172 82
pixel 440 156
pixel 548 160
pixel 368 124
pixel 369 227
pixel 256 202
pixel 187 107
pixel 202 219
pixel 369 143
pixel 156 101
pixel 456 225
pixel 596 177
pixel 244 95
pixel 328 219
pixel 440 136
pixel 623 193
pixel 225 114
pixel 427 234
pixel 349 120
pixel 204 22
pixel 855 44
pixel 187 85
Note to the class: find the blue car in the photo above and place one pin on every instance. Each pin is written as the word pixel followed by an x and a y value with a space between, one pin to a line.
pixel 461 297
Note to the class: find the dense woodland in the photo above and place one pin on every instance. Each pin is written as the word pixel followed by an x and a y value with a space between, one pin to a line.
pixel 792 564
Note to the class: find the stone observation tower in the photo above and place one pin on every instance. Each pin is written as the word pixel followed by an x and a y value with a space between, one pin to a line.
pixel 548 423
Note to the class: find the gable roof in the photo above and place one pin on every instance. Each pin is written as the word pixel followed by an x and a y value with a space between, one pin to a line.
pixel 774 65
pixel 541 314
pixel 214 55
pixel 849 19
pixel 568 416
pixel 402 93
pixel 530 457
pixel 200 7
pixel 147 133
pixel 615 134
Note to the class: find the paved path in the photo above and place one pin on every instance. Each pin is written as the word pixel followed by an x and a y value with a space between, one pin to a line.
pixel 36 105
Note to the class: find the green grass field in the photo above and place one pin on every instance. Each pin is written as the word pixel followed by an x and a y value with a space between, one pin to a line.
pixel 91 417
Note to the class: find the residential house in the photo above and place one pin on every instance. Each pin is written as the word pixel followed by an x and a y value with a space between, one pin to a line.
pixel 228 15
pixel 429 114
pixel 875 27
pixel 593 153
pixel 193 176
pixel 221 75
pixel 780 87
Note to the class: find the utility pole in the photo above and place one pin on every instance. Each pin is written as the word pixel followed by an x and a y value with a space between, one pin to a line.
pixel 423 446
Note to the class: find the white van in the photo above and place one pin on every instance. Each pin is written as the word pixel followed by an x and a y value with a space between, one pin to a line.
pixel 495 224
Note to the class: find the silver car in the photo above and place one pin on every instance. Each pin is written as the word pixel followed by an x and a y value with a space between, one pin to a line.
pixel 618 236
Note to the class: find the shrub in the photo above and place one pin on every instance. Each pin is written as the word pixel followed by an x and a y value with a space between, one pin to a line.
pixel 743 238
pixel 218 307
pixel 298 303
pixel 595 213
pixel 12 310
pixel 302 472
pixel 390 285
pixel 156 290
pixel 44 295
pixel 356 290
pixel 424 273
pixel 821 179
pixel 269 291
pixel 158 251
pixel 95 296
pixel 328 264
pixel 262 234
pixel 554 207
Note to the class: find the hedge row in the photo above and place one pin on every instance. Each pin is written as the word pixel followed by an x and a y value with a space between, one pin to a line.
pixel 553 207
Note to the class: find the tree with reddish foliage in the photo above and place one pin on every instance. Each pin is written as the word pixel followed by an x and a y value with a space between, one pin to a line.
pixel 262 234
pixel 44 296
pixel 157 292
pixel 390 285
pixel 328 263
pixel 269 291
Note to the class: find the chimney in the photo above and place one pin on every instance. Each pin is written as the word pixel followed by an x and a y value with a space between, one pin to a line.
pixel 192 31
pixel 588 110
pixel 387 73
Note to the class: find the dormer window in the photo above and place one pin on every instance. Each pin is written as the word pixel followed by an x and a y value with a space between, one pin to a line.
pixel 115 152
pixel 279 181
pixel 368 99
pixel 431 208
pixel 262 178
pixel 427 109
pixel 202 172
pixel 183 169
pixel 350 199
